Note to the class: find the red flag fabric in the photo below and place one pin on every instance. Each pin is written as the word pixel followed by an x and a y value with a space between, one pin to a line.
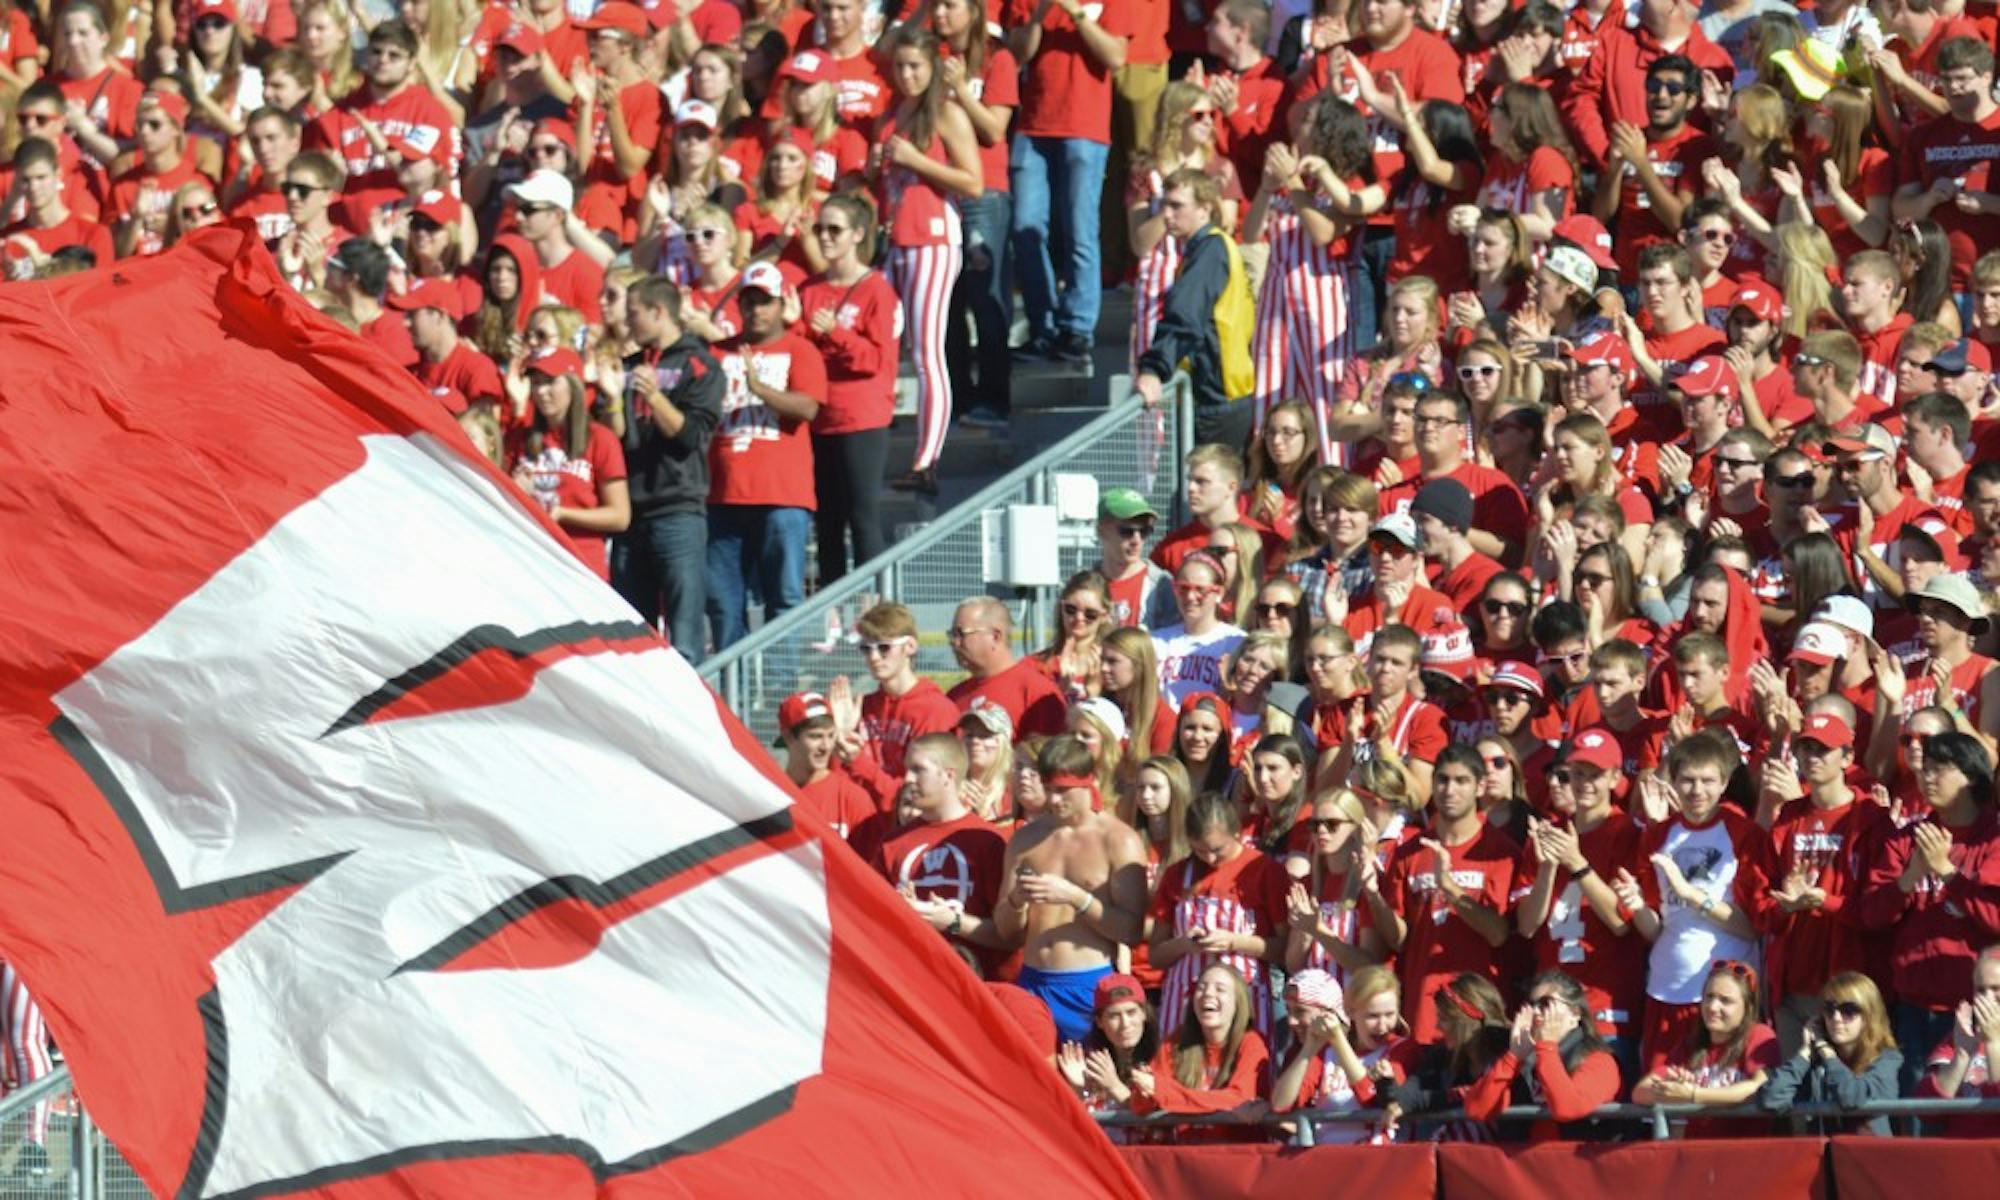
pixel 361 843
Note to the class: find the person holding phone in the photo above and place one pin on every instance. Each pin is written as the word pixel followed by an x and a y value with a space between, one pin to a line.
pixel 1848 1058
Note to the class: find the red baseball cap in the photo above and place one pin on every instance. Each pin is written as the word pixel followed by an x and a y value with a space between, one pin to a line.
pixel 427 293
pixel 556 360
pixel 1828 730
pixel 422 146
pixel 1589 235
pixel 1596 748
pixel 618 16
pixel 521 38
pixel 1761 299
pixel 1606 348
pixel 1708 375
pixel 225 9
pixel 661 13
pixel 800 707
pixel 173 104
pixel 558 129
pixel 810 66
pixel 1519 676
pixel 439 206
pixel 1116 989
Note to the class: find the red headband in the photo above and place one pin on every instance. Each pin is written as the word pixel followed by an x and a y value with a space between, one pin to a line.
pixel 1064 781
pixel 1463 1005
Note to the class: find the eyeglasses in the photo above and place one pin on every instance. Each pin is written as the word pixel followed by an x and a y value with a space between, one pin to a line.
pixel 878 649
pixel 1414 380
pixel 825 230
pixel 299 191
pixel 960 635
pixel 1433 421
pixel 1572 659
pixel 705 235
pixel 1807 360
pixel 1281 608
pixel 1802 480
pixel 1288 432
pixel 1726 237
pixel 1544 1003
pixel 1505 608
pixel 1081 613
pixel 1485 372
pixel 1592 579
pixel 1735 464
pixel 1497 762
pixel 1665 87
pixel 199 211
pixel 1846 1010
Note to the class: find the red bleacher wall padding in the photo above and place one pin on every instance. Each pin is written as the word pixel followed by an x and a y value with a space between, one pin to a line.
pixel 1206 1172
pixel 1737 1169
pixel 1870 1168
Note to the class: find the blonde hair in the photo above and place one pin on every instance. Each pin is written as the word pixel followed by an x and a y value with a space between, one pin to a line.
pixel 1141 702
pixel 1175 103
pixel 1180 794
pixel 1249 567
pixel 1368 982
pixel 1110 759
pixel 1191 1049
pixel 1805 254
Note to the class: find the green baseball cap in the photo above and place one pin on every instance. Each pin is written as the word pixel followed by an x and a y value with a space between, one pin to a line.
pixel 1123 504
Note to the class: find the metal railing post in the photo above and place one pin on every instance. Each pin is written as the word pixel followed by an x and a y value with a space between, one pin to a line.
pixel 84 1152
pixel 1661 1129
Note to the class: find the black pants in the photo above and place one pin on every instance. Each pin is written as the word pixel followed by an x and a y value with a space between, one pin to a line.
pixel 1223 424
pixel 847 472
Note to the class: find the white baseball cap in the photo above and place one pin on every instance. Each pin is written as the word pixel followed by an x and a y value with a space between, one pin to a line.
pixel 544 186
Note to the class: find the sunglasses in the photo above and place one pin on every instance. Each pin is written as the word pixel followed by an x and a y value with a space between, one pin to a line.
pixel 536 210
pixel 1665 87
pixel 1802 480
pixel 199 211
pixel 1127 532
pixel 1845 1009
pixel 1543 1004
pixel 1328 824
pixel 1808 360
pixel 1571 659
pixel 1735 464
pixel 1414 380
pixel 299 191
pixel 1486 372
pixel 1496 762
pixel 1592 579
pixel 825 230
pixel 1726 237
pixel 1279 609
pixel 878 649
pixel 211 24
pixel 1082 613
pixel 705 235
pixel 1505 608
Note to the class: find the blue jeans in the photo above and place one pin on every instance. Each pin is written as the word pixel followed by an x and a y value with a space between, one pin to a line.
pixel 1918 1031
pixel 983 294
pixel 660 566
pixel 1058 183
pixel 756 543
pixel 1368 283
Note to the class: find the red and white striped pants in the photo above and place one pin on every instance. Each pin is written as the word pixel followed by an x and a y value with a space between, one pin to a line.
pixel 1149 299
pixel 1301 344
pixel 27 1046
pixel 923 277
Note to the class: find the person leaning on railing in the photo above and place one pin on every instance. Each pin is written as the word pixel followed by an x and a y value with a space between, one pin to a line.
pixel 1727 1057
pixel 1216 1062
pixel 1349 1049
pixel 1555 1057
pixel 1472 1021
pixel 1849 1058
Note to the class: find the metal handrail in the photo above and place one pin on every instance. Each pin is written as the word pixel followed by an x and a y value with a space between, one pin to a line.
pixel 720 669
pixel 1657 1115
pixel 34 1093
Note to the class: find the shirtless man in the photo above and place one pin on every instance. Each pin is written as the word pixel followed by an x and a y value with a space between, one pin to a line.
pixel 1073 890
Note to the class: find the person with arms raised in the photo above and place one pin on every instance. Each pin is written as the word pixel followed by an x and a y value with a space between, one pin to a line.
pixel 1073 890
pixel 1555 1057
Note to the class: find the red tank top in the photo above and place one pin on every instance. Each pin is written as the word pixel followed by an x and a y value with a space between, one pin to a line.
pixel 922 215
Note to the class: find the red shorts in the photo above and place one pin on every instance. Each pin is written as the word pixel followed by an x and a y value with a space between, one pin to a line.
pixel 1666 1029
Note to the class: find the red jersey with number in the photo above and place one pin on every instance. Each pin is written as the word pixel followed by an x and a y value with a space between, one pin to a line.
pixel 1439 943
pixel 758 456
pixel 1611 968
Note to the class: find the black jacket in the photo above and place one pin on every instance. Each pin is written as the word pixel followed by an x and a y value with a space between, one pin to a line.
pixel 1186 329
pixel 670 474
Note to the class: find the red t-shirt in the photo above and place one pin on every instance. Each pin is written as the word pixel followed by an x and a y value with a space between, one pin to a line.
pixel 1438 943
pixel 607 199
pixel 1611 968
pixel 465 368
pixel 17 39
pixel 1833 849
pixel 1948 148
pixel 1497 503
pixel 145 195
pixel 1874 175
pixel 573 482
pixel 578 282
pixel 1677 161
pixel 859 351
pixel 1423 612
pixel 957 862
pixel 839 801
pixel 412 114
pixel 112 98
pixel 757 456
pixel 999 86
pixel 1031 698
pixel 864 90
pixel 888 724
pixel 1510 185
pixel 73 231
pixel 265 210
pixel 1067 92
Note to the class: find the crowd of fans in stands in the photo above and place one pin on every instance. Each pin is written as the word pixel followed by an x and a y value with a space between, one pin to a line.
pixel 1576 679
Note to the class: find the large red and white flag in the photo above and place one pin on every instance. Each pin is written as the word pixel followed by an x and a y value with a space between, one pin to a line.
pixel 359 842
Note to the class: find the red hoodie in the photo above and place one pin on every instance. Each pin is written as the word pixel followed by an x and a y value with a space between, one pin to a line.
pixel 1611 83
pixel 516 247
pixel 1939 930
pixel 1742 631
pixel 889 724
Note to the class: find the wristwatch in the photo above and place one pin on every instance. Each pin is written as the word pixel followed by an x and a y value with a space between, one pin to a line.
pixel 1651 582
pixel 957 925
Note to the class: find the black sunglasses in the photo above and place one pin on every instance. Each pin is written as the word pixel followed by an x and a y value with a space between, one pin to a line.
pixel 1279 609
pixel 1666 87
pixel 1511 608
pixel 299 191
pixel 1802 479
pixel 1844 1008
